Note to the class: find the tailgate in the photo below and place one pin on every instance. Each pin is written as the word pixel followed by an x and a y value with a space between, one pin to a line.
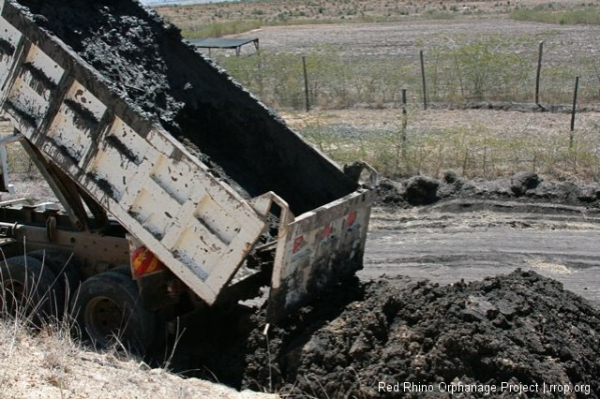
pixel 317 249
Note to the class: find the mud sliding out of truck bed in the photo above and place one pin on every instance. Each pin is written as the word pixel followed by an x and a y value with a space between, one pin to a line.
pixel 183 157
pixel 221 123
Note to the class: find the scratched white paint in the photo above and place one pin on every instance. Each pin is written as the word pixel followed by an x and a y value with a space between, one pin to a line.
pixel 198 226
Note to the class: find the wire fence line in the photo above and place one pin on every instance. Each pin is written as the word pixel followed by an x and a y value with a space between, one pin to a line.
pixel 487 69
pixel 474 150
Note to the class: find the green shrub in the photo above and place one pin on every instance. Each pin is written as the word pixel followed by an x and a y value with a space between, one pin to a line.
pixel 588 15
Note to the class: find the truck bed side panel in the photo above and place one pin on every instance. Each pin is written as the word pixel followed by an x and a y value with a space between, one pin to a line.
pixel 197 225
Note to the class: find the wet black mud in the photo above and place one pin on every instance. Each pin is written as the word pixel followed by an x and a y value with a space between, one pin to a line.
pixel 523 187
pixel 519 329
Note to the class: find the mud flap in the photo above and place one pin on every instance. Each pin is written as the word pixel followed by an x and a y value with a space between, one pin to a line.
pixel 317 249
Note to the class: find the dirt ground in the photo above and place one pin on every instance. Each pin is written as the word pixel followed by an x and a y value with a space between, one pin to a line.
pixel 562 44
pixel 550 228
pixel 290 14
pixel 49 365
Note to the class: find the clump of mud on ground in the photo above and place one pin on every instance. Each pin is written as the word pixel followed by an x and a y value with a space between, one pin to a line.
pixel 521 187
pixel 521 328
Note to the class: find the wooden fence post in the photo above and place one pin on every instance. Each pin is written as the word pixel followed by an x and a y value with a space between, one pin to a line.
pixel 424 82
pixel 306 94
pixel 538 74
pixel 574 110
pixel 404 124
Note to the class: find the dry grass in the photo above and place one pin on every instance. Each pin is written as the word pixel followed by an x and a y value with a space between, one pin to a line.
pixel 474 143
pixel 41 359
pixel 196 20
pixel 49 364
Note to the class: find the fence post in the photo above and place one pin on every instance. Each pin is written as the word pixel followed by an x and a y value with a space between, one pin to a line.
pixel 485 161
pixel 306 95
pixel 261 87
pixel 424 83
pixel 574 110
pixel 404 116
pixel 404 124
pixel 539 72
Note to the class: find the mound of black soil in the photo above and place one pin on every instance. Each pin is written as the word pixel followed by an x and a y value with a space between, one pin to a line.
pixel 521 329
pixel 360 340
pixel 521 187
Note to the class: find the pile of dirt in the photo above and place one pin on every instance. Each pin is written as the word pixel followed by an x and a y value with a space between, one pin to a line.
pixel 520 329
pixel 515 330
pixel 521 187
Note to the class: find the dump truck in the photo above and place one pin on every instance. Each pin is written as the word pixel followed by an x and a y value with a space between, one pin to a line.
pixel 159 218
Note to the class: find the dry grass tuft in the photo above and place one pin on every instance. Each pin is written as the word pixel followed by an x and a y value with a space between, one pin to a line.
pixel 49 364
pixel 41 359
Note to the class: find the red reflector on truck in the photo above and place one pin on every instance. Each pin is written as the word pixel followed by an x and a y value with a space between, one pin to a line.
pixel 144 261
pixel 351 219
pixel 298 244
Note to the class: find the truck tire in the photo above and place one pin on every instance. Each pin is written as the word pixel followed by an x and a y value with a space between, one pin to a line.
pixel 108 311
pixel 63 266
pixel 29 289
pixel 122 269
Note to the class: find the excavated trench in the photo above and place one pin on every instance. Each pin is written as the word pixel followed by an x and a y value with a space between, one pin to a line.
pixel 360 339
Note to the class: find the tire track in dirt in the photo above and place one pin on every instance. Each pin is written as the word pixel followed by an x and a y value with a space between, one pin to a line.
pixel 446 248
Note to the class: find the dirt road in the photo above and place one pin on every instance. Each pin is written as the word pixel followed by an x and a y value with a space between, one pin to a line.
pixel 445 245
pixel 405 39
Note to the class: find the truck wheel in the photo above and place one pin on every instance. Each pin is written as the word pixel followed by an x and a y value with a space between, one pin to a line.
pixel 63 266
pixel 107 309
pixel 122 269
pixel 30 289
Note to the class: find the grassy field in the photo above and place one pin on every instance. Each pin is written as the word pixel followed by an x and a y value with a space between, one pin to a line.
pixel 479 51
pixel 552 13
pixel 494 65
pixel 217 19
pixel 225 18
pixel 473 143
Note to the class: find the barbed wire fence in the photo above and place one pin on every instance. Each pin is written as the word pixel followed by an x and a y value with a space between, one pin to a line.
pixel 488 72
pixel 488 69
